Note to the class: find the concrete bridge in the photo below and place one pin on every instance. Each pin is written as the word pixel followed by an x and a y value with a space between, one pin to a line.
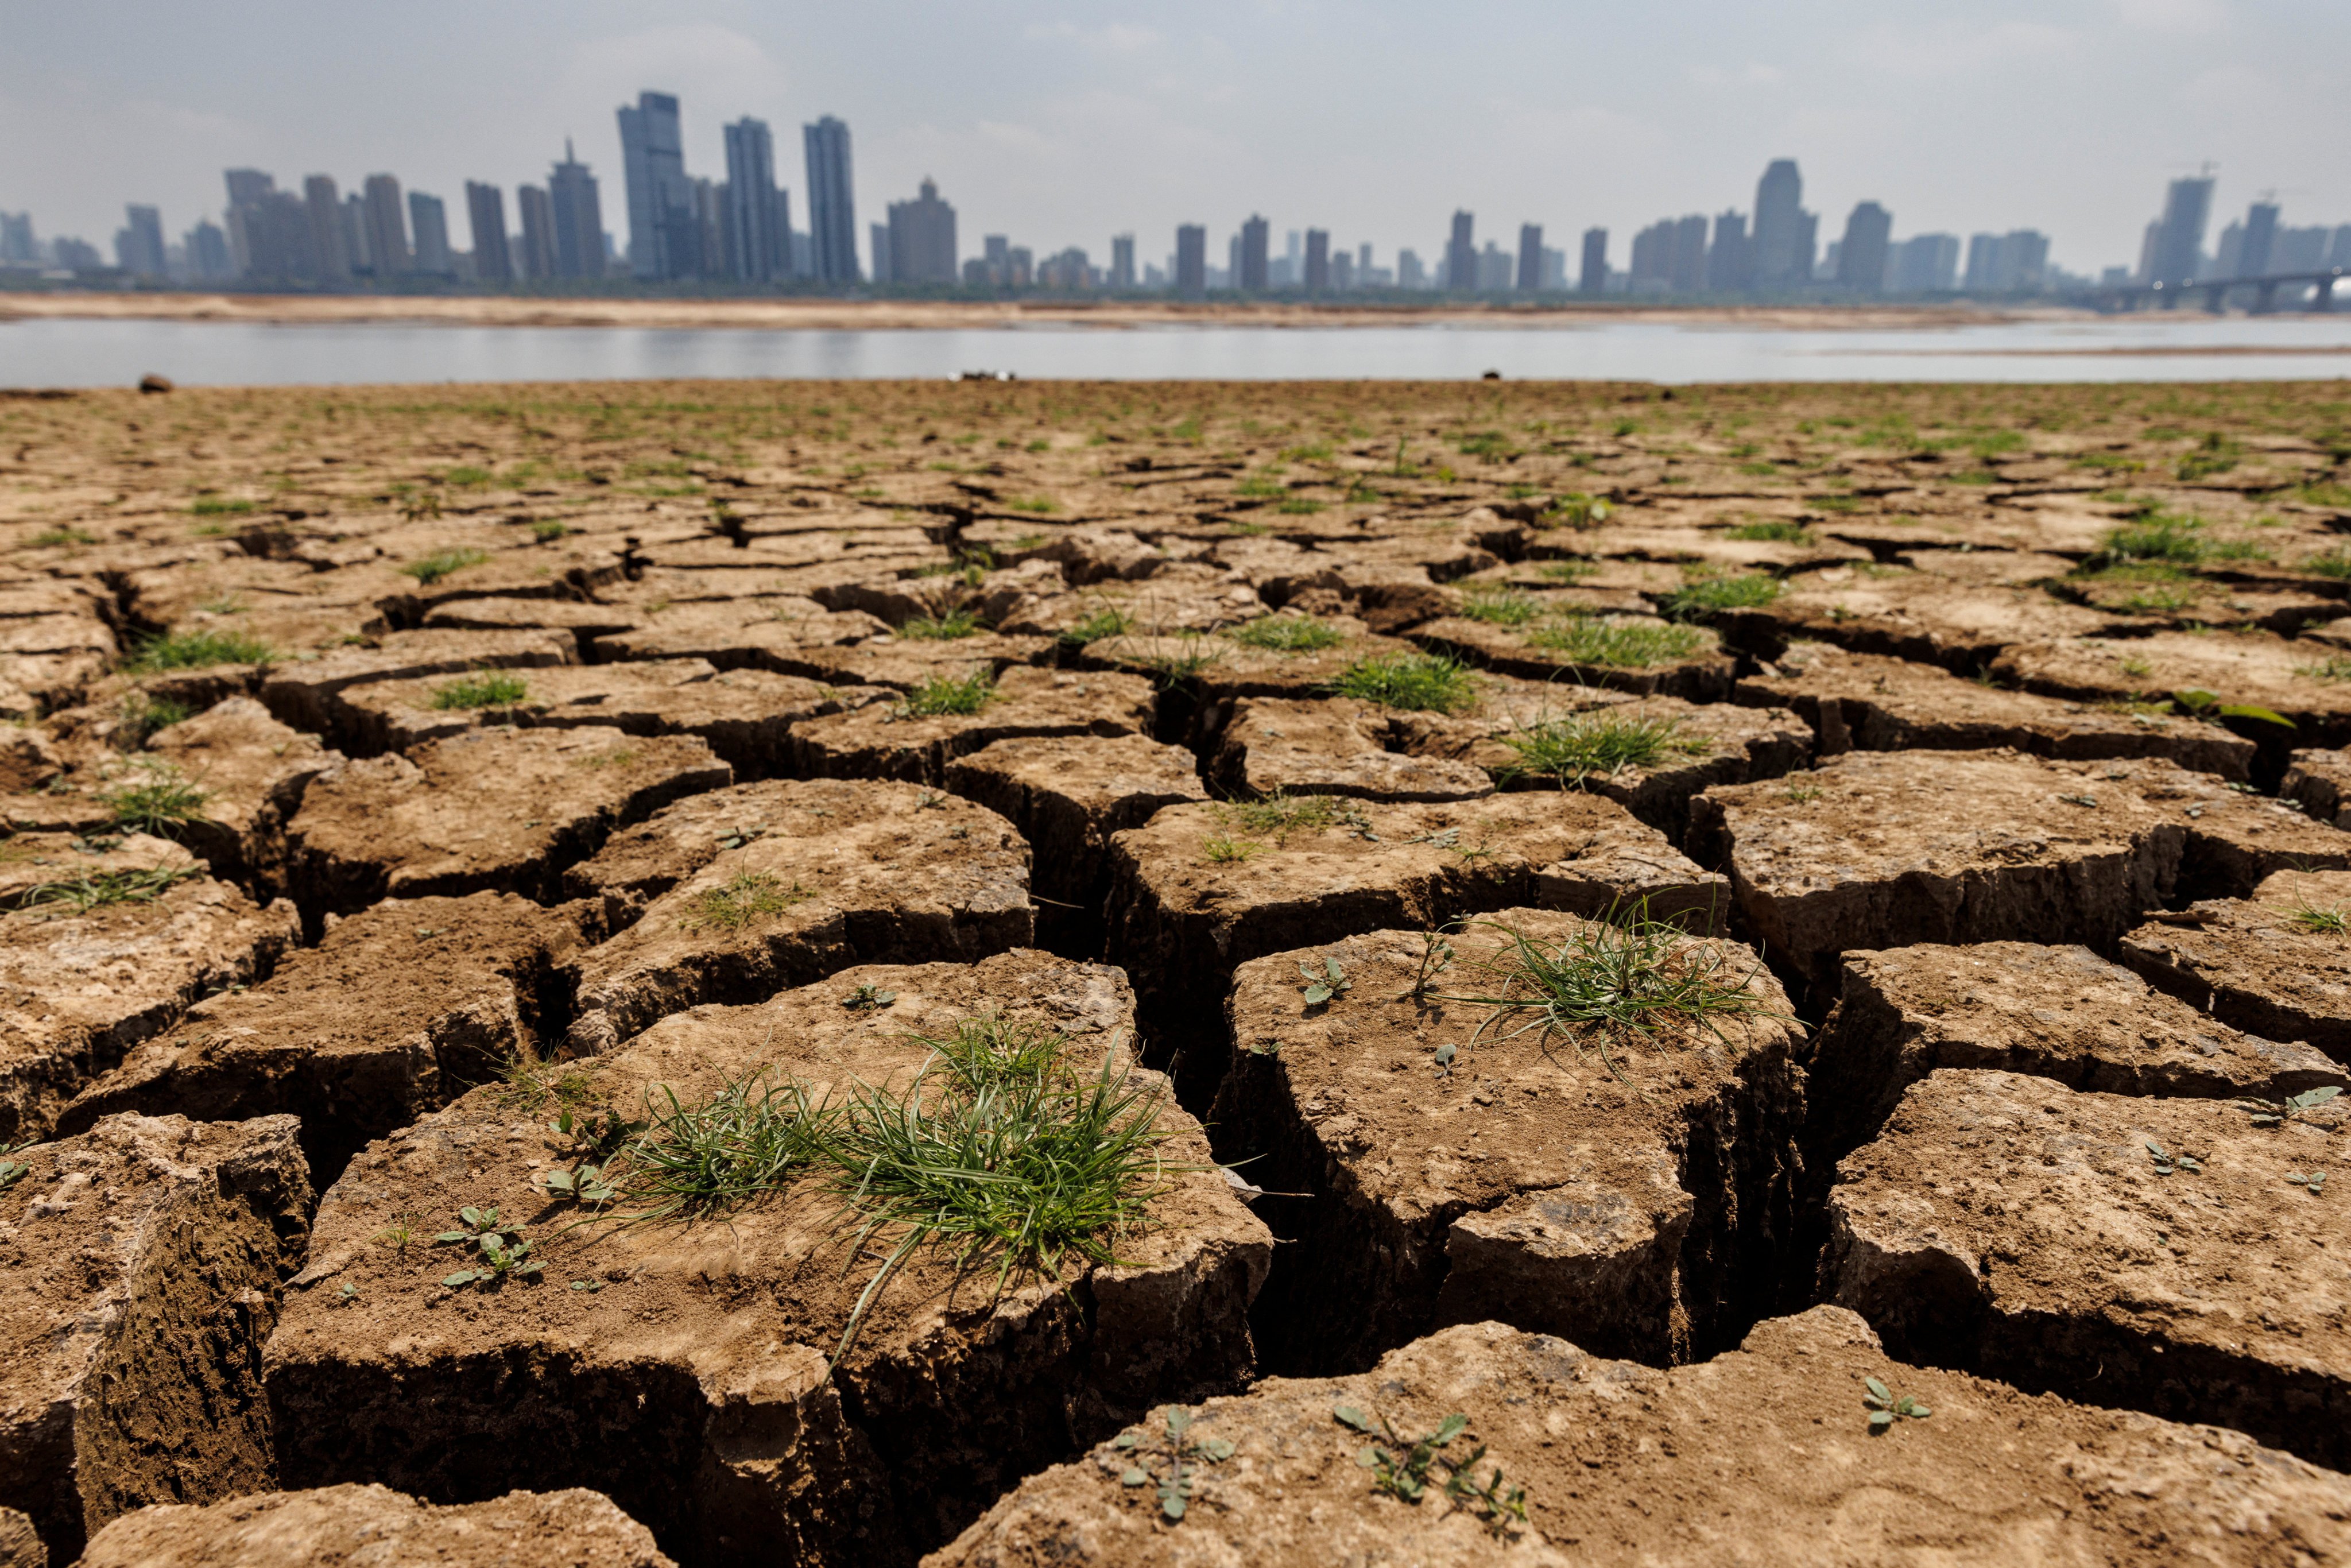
pixel 2216 291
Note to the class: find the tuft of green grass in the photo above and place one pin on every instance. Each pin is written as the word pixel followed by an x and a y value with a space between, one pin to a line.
pixel 1501 606
pixel 1224 850
pixel 219 507
pixel 1574 570
pixel 547 530
pixel 1110 621
pixel 945 626
pixel 741 901
pixel 143 715
pixel 1575 510
pixel 1618 644
pixel 2328 921
pixel 1414 682
pixel 2334 667
pixel 1279 815
pixel 944 695
pixel 749 1139
pixel 487 688
pixel 1042 506
pixel 2335 563
pixel 1288 634
pixel 1772 531
pixel 2159 537
pixel 1297 505
pixel 53 539
pixel 99 890
pixel 442 563
pixel 163 804
pixel 1702 597
pixel 1581 746
pixel 196 650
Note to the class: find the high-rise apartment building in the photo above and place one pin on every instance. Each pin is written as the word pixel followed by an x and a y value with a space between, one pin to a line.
pixel 2254 255
pixel 923 239
pixel 664 232
pixel 1784 232
pixel 387 226
pixel 17 245
pixel 578 217
pixel 1594 276
pixel 207 249
pixel 1192 259
pixel 1924 264
pixel 138 244
pixel 1410 273
pixel 486 213
pixel 759 214
pixel 428 222
pixel 833 204
pixel 323 205
pixel 1730 259
pixel 1861 254
pixel 1531 248
pixel 355 233
pixel 538 259
pixel 877 251
pixel 710 248
pixel 2176 246
pixel 1318 261
pixel 1122 261
pixel 247 187
pixel 1461 255
pixel 1251 276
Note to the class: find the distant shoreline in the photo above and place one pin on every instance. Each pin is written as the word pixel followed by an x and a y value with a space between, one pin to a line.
pixel 789 314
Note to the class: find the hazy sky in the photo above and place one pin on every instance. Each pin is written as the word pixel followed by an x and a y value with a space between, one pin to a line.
pixel 1063 123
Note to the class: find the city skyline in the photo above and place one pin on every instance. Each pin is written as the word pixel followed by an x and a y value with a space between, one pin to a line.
pixel 1072 132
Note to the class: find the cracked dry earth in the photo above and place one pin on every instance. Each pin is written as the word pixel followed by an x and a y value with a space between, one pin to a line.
pixel 1735 975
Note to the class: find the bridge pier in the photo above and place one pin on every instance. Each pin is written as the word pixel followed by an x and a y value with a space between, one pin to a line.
pixel 2265 299
pixel 2215 299
pixel 2323 301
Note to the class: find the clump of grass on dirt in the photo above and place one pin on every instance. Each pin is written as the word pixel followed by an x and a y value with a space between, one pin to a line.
pixel 1110 621
pixel 2157 537
pixel 441 563
pixel 1772 531
pixel 741 901
pixel 101 890
pixel 1279 815
pixel 1416 682
pixel 485 688
pixel 749 1139
pixel 944 627
pixel 196 650
pixel 1501 606
pixel 1288 634
pixel 162 803
pixel 1704 597
pixel 948 696
pixel 143 717
pixel 1583 746
pixel 62 537
pixel 1617 644
pixel 2330 920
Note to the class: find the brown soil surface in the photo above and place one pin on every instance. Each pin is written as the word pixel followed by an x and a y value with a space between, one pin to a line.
pixel 1762 1455
pixel 578 1528
pixel 1591 1186
pixel 140 1265
pixel 393 766
pixel 2016 1226
pixel 686 1373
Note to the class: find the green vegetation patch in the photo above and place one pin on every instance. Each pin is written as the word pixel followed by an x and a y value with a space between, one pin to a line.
pixel 1706 596
pixel 1417 683
pixel 1288 634
pixel 1618 644
pixel 1775 530
pixel 442 563
pixel 944 695
pixel 945 626
pixel 196 650
pixel 99 890
pixel 1588 745
pixel 486 689
pixel 741 901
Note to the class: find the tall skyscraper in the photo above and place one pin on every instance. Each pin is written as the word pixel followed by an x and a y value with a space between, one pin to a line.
pixel 1593 277
pixel 710 246
pixel 17 246
pixel 1192 259
pixel 833 205
pixel 1122 261
pixel 1461 255
pixel 355 233
pixel 207 247
pixel 387 226
pixel 578 218
pixel 1924 264
pixel 1531 248
pixel 428 220
pixel 324 205
pixel 138 246
pixel 2179 237
pixel 2257 254
pixel 923 239
pixel 1861 254
pixel 759 217
pixel 877 251
pixel 1252 274
pixel 1318 261
pixel 1730 260
pixel 486 213
pixel 1784 232
pixel 663 233
pixel 539 261
pixel 247 187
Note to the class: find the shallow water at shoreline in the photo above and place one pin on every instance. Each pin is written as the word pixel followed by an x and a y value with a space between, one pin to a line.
pixel 74 352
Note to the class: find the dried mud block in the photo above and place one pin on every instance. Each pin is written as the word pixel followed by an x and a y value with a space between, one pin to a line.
pixel 1869 701
pixel 1623 1464
pixel 303 694
pixel 1205 674
pixel 252 771
pixel 140 1265
pixel 2282 675
pixel 745 633
pixel 1925 617
pixel 2320 782
pixel 78 986
pixel 746 717
pixel 747 894
pixel 1626 1192
pixel 2277 964
pixel 397 1011
pixel 494 810
pixel 1169 600
pixel 1066 798
pixel 1599 650
pixel 1878 849
pixel 2161 1254
pixel 585 622
pixel 887 741
pixel 993 596
pixel 693 1385
pixel 370 1524
pixel 904 663
pixel 1269 745
pixel 37 865
pixel 2061 1013
pixel 20 1543
pixel 1201 889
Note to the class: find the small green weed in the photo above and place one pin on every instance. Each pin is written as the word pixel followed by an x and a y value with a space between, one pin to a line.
pixel 2334 921
pixel 442 563
pixel 1502 606
pixel 547 530
pixel 1704 597
pixel 1176 1460
pixel 748 898
pixel 1413 682
pixel 1224 849
pixel 1619 644
pixel 1402 1468
pixel 867 999
pixel 1772 531
pixel 1326 983
pixel 1575 510
pixel 503 1253
pixel 58 538
pixel 195 651
pixel 2167 1165
pixel 143 715
pixel 942 695
pixel 1585 745
pixel 489 688
pixel 220 507
pixel 1886 1407
pixel 2278 1112
pixel 1110 621
pixel 1280 815
pixel 945 626
pixel 163 804
pixel 1288 634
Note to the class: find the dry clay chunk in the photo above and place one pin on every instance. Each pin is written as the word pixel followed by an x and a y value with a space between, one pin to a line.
pixel 1879 848
pixel 2167 1255
pixel 1575 649
pixel 1759 1457
pixel 2278 964
pixel 497 808
pixel 830 874
pixel 1333 746
pixel 20 1543
pixel 375 1524
pixel 80 988
pixel 38 869
pixel 1869 701
pixel 888 741
pixel 252 771
pixel 2062 1013
pixel 1201 889
pixel 140 1265
pixel 686 1373
pixel 397 1011
pixel 1465 1161
pixel 2320 782
pixel 2277 672
pixel 306 693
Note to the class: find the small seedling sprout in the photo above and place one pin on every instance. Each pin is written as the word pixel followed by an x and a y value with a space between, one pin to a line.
pixel 1325 983
pixel 2278 1112
pixel 1176 1458
pixel 1400 1467
pixel 503 1253
pixel 2165 1164
pixel 1435 957
pixel 2315 1181
pixel 1886 1407
pixel 868 998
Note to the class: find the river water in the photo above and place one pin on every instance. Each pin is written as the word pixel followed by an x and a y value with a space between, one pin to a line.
pixel 83 353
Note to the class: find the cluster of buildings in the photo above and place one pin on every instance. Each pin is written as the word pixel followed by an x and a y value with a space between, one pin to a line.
pixel 684 230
